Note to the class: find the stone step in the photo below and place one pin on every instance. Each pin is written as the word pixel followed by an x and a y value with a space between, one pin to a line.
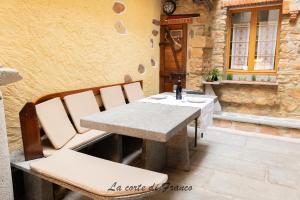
pixel 258 124
pixel 229 133
pixel 261 120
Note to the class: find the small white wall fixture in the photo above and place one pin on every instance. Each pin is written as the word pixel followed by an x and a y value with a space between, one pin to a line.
pixel 7 76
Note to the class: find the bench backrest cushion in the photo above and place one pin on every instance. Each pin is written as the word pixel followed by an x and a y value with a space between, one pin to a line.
pixel 112 97
pixel 133 91
pixel 80 105
pixel 55 122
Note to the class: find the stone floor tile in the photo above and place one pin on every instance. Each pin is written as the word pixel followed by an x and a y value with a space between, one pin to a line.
pixel 249 189
pixel 199 194
pixel 196 177
pixel 272 159
pixel 273 146
pixel 285 177
pixel 227 166
pixel 216 148
pixel 224 138
pixel 220 163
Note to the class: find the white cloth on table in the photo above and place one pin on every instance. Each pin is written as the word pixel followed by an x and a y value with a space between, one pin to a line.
pixel 207 107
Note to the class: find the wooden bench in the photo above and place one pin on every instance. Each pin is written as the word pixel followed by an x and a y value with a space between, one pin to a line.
pixel 95 177
pixel 89 175
pixel 32 133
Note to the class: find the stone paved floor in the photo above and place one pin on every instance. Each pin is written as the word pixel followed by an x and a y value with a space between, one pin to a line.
pixel 231 166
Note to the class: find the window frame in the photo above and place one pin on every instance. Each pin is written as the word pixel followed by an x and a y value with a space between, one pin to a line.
pixel 252 41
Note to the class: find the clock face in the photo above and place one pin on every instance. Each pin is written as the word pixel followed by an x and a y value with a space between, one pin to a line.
pixel 169 7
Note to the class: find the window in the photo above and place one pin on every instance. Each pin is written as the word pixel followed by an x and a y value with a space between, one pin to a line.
pixel 253 40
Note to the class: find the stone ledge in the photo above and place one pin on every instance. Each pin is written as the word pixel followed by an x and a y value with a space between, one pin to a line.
pixel 240 83
pixel 257 128
pixel 260 120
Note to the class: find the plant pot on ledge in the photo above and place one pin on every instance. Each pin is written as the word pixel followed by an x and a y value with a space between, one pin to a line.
pixel 213 75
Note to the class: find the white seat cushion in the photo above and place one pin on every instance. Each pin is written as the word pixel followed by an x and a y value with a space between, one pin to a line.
pixel 95 175
pixel 74 143
pixel 112 97
pixel 81 105
pixel 133 92
pixel 55 122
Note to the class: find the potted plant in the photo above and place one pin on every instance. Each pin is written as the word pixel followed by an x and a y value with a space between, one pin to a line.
pixel 229 77
pixel 213 75
pixel 253 78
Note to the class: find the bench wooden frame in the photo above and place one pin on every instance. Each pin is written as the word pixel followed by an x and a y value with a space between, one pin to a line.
pixel 30 128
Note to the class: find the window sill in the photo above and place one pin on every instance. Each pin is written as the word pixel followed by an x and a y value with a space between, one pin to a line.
pixel 241 83
pixel 252 72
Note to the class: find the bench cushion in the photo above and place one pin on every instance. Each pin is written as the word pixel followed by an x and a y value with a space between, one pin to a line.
pixel 133 91
pixel 55 122
pixel 76 142
pixel 95 175
pixel 112 97
pixel 81 105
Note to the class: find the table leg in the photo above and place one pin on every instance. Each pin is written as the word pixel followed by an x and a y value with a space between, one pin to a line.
pixel 178 151
pixel 117 154
pixel 174 153
pixel 155 155
pixel 196 132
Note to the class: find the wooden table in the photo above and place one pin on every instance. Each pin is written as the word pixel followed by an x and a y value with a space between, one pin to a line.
pixel 163 128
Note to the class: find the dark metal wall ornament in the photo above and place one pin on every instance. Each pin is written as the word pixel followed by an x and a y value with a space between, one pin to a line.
pixel 169 7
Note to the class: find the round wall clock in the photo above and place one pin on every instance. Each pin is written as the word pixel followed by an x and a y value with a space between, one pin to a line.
pixel 169 7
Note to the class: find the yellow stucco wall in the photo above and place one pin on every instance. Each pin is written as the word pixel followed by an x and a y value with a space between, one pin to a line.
pixel 59 45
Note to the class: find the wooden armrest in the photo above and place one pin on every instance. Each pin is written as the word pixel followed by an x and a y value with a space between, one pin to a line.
pixel 30 132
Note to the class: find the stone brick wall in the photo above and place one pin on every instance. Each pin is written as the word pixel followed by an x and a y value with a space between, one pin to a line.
pixel 289 68
pixel 282 100
pixel 249 99
pixel 199 51
pixel 199 42
pixel 219 33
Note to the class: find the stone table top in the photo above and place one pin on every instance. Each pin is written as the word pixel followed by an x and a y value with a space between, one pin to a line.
pixel 150 121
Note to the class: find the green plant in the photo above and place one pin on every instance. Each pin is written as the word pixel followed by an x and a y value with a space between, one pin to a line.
pixel 253 78
pixel 229 77
pixel 213 75
pixel 209 77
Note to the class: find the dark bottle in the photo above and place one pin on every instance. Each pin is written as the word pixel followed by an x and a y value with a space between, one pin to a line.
pixel 179 90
